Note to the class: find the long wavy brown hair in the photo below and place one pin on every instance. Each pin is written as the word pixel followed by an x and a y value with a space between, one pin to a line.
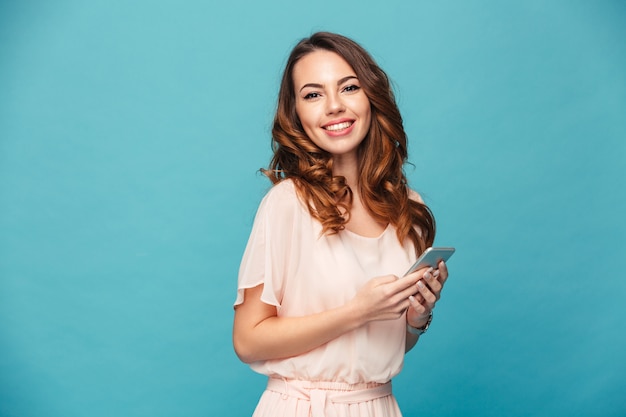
pixel 382 153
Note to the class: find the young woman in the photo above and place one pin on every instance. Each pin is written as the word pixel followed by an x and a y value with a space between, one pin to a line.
pixel 322 307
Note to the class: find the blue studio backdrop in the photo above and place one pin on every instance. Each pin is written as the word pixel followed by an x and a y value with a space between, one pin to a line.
pixel 130 138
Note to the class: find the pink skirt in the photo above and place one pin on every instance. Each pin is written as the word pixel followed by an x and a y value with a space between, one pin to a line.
pixel 294 398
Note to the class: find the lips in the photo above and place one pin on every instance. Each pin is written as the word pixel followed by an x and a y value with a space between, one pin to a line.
pixel 338 125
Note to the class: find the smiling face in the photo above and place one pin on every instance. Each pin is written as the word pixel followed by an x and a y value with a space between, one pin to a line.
pixel 333 109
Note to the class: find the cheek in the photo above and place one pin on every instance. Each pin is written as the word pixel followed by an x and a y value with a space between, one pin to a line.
pixel 304 116
pixel 367 115
pixel 364 108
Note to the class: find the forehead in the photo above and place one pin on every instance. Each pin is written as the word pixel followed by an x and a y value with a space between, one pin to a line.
pixel 321 66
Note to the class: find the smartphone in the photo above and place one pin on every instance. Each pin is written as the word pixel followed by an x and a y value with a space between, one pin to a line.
pixel 431 257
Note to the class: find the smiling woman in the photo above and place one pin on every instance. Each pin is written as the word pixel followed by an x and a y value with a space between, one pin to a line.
pixel 320 309
pixel 333 109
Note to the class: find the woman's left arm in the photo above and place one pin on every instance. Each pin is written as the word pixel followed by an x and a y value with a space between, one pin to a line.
pixel 423 302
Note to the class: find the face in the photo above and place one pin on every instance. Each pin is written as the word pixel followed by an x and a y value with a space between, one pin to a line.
pixel 333 109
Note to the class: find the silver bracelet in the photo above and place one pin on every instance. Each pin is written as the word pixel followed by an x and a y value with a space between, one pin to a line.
pixel 422 330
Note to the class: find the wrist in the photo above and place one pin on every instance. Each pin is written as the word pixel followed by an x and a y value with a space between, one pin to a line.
pixel 419 322
pixel 421 328
pixel 354 316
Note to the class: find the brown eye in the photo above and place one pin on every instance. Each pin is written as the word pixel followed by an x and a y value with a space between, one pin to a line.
pixel 351 88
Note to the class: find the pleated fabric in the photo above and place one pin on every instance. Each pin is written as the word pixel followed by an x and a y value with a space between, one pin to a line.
pixel 326 399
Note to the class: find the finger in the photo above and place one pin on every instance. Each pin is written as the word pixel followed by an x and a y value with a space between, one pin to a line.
pixel 385 279
pixel 417 297
pixel 411 291
pixel 432 280
pixel 429 297
pixel 443 272
pixel 416 305
pixel 408 283
pixel 407 286
pixel 415 276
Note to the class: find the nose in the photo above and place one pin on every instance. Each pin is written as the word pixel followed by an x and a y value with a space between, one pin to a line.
pixel 334 104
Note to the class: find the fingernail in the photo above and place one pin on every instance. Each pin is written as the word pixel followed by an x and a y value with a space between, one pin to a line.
pixel 411 298
pixel 420 284
pixel 436 274
pixel 428 275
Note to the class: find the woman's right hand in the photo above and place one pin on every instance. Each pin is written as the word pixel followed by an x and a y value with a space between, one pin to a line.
pixel 259 334
pixel 386 297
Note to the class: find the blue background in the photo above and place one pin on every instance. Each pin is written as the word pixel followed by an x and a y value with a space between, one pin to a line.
pixel 130 136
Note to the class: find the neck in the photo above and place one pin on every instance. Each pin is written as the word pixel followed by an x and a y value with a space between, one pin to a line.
pixel 347 167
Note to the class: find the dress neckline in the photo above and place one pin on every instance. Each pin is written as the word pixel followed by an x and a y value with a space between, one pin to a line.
pixel 350 232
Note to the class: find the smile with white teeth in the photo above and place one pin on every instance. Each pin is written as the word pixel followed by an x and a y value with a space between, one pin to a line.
pixel 339 126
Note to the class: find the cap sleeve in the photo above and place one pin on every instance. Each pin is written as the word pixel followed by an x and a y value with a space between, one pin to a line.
pixel 267 259
pixel 414 195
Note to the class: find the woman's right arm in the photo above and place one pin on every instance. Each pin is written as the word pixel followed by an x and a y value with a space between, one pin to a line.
pixel 259 334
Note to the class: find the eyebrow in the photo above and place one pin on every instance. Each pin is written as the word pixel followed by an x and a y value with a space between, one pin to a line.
pixel 341 81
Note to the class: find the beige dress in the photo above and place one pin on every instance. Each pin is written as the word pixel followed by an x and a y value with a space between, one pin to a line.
pixel 304 272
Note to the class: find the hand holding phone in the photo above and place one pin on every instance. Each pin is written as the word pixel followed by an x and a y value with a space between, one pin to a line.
pixel 431 257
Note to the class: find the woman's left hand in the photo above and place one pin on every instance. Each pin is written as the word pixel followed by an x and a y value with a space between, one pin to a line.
pixel 428 293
